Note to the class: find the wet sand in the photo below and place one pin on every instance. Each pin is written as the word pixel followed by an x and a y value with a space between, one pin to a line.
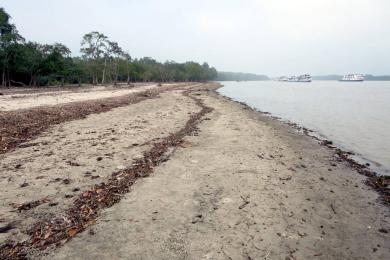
pixel 245 186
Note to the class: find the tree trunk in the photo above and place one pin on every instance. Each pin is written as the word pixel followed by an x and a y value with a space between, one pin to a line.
pixel 95 71
pixel 4 75
pixel 116 75
pixel 35 80
pixel 93 79
pixel 128 73
pixel 3 78
pixel 31 79
pixel 8 79
pixel 104 71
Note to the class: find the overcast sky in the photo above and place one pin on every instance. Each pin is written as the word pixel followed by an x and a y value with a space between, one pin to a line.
pixel 273 37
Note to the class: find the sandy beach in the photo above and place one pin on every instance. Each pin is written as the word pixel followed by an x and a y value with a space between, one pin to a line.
pixel 175 172
pixel 13 100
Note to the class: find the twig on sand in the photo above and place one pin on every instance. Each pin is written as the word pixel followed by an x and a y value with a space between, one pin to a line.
pixel 245 202
pixel 333 209
pixel 223 251
pixel 6 228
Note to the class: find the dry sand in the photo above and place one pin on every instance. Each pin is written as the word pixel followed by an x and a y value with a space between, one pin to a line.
pixel 246 187
pixel 13 100
pixel 73 156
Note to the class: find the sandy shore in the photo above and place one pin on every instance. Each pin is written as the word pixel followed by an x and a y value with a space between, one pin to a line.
pixel 14 100
pixel 244 186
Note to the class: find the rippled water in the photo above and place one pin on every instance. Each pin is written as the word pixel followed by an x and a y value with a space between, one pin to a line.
pixel 354 115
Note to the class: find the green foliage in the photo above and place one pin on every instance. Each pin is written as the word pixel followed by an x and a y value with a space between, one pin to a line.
pixel 102 61
pixel 9 41
pixel 5 26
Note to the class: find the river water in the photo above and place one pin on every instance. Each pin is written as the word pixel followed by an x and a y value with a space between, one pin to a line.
pixel 354 115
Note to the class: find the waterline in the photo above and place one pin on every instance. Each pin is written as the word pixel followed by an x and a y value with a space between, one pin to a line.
pixel 355 116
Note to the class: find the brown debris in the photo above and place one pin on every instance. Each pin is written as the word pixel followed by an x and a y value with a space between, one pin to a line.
pixel 22 125
pixel 66 181
pixel 378 182
pixel 24 184
pixel 87 206
pixel 30 205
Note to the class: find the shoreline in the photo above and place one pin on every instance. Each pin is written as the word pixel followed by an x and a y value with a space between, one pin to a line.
pixel 379 182
pixel 238 174
pixel 360 129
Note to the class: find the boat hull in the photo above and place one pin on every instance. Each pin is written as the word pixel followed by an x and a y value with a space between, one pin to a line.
pixel 352 80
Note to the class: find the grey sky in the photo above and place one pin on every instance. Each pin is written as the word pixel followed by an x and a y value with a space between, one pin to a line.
pixel 272 37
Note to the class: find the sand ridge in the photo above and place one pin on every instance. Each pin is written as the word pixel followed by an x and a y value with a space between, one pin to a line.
pixel 15 101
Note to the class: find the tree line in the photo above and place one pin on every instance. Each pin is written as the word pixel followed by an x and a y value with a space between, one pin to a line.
pixel 26 63
pixel 239 76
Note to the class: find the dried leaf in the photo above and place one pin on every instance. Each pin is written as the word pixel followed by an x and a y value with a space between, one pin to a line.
pixel 72 232
pixel 47 235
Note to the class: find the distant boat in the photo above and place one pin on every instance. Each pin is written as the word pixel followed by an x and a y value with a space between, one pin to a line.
pixel 353 77
pixel 292 79
pixel 283 78
pixel 301 78
pixel 304 78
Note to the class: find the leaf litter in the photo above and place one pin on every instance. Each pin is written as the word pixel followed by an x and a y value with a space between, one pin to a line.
pixel 86 207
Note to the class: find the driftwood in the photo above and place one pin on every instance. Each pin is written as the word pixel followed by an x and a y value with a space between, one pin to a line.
pixel 18 83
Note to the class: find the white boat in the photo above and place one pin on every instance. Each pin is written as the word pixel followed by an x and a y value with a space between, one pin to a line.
pixel 353 77
pixel 304 78
pixel 292 79
pixel 301 78
pixel 283 78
